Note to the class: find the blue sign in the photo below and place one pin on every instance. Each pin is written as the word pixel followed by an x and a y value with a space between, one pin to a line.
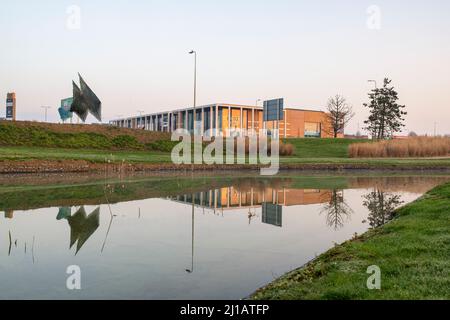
pixel 64 110
pixel 273 110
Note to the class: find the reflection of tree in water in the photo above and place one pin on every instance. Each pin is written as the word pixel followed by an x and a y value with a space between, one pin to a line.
pixel 82 226
pixel 381 206
pixel 336 209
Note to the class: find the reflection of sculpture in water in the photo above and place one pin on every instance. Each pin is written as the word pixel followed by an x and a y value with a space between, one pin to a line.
pixel 82 226
pixel 336 209
pixel 381 206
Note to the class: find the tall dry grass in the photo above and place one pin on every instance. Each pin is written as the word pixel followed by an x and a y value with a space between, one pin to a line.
pixel 412 147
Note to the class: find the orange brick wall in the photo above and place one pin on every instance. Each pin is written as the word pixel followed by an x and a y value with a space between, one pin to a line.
pixel 295 123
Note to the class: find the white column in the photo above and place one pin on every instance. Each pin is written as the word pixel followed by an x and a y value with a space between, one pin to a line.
pixel 210 120
pixel 202 127
pixel 216 129
pixel 241 122
pixel 229 121
pixel 253 119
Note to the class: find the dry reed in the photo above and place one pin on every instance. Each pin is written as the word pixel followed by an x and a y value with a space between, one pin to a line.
pixel 412 147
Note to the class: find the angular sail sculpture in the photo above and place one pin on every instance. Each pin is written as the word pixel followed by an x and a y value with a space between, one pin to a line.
pixel 79 105
pixel 85 100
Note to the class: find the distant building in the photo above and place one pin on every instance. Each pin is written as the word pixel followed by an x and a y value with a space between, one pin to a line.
pixel 231 119
pixel 11 106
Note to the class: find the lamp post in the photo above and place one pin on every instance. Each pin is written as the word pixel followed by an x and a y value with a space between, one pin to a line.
pixel 46 108
pixel 195 86
pixel 374 81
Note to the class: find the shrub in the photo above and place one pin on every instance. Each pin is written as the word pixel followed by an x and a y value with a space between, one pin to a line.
pixel 286 149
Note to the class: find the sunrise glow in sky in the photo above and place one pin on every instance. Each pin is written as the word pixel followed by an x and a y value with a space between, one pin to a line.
pixel 134 54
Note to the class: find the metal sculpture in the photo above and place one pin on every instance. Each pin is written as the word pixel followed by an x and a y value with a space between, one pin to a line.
pixel 85 100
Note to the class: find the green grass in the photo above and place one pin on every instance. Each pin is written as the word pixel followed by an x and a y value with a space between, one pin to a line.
pixel 38 135
pixel 30 141
pixel 155 157
pixel 31 153
pixel 12 135
pixel 321 148
pixel 412 252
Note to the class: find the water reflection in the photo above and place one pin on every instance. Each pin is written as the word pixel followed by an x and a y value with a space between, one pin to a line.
pixel 270 200
pixel 336 210
pixel 162 238
pixel 381 206
pixel 82 226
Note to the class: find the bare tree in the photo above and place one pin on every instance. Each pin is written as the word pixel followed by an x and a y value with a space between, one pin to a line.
pixel 338 115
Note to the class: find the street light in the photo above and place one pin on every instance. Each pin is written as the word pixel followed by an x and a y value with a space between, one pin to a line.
pixel 258 100
pixel 375 82
pixel 46 108
pixel 195 85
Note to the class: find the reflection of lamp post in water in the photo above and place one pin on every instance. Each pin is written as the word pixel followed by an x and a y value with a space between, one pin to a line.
pixel 192 237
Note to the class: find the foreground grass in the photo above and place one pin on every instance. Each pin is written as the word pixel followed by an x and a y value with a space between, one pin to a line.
pixel 412 252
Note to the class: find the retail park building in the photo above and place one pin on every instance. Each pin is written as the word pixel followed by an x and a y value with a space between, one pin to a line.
pixel 222 119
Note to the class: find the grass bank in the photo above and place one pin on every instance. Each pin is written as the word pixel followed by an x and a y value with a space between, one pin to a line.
pixel 44 147
pixel 321 148
pixel 37 159
pixel 412 252
pixel 81 136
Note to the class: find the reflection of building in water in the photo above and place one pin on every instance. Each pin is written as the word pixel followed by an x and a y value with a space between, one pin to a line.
pixel 82 226
pixel 232 198
pixel 271 200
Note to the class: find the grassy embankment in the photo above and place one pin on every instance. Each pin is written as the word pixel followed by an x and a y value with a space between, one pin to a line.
pixel 412 252
pixel 24 141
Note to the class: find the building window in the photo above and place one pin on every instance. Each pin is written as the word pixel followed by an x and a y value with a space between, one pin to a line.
pixel 312 129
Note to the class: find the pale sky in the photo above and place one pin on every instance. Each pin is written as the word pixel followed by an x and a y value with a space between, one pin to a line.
pixel 134 54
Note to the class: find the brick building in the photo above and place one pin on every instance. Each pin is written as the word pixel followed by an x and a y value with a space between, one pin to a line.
pixel 222 119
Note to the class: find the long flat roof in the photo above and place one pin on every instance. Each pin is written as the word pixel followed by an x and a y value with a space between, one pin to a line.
pixel 210 105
